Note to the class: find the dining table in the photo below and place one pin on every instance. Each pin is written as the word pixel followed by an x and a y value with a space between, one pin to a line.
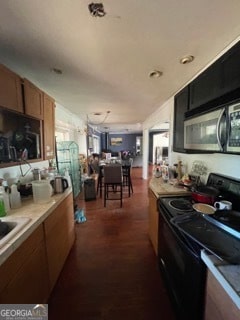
pixel 126 169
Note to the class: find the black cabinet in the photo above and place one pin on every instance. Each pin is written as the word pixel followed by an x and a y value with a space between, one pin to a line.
pixel 206 87
pixel 218 84
pixel 230 70
pixel 181 102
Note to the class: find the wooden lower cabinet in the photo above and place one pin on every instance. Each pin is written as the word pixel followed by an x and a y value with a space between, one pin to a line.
pixel 59 235
pixel 218 304
pixel 153 220
pixel 30 273
pixel 24 275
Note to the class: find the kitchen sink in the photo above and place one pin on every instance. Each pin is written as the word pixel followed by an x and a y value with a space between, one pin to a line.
pixel 10 227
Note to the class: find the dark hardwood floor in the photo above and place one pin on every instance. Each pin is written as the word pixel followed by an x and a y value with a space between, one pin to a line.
pixel 111 272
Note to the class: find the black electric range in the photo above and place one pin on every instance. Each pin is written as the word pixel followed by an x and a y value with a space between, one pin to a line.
pixel 219 232
pixel 183 233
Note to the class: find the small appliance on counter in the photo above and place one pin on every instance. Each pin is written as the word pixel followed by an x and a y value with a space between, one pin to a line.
pixel 25 189
pixel 59 184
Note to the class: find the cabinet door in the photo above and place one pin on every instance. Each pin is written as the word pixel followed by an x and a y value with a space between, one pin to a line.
pixel 218 304
pixel 33 100
pixel 206 87
pixel 180 107
pixel 11 91
pixel 59 235
pixel 153 220
pixel 48 127
pixel 24 275
pixel 230 64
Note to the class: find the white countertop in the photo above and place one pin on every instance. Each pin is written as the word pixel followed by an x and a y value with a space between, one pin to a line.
pixel 36 213
pixel 227 275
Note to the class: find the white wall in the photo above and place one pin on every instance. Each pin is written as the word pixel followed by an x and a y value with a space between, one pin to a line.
pixel 65 120
pixel 220 163
pixel 226 164
pixel 13 174
pixel 162 115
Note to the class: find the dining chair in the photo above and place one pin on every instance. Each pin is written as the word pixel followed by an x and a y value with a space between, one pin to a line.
pixel 113 183
pixel 100 181
pixel 127 180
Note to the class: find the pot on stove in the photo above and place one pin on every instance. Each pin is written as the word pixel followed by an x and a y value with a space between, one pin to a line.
pixel 206 194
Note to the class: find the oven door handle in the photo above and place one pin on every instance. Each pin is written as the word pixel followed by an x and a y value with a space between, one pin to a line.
pixel 186 243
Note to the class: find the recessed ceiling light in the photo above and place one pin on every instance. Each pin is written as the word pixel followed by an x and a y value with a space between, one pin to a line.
pixel 155 74
pixel 186 59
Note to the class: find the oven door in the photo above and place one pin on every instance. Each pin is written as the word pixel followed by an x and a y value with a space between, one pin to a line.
pixel 183 271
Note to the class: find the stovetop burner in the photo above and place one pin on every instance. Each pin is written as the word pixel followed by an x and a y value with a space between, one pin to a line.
pixel 181 204
pixel 229 218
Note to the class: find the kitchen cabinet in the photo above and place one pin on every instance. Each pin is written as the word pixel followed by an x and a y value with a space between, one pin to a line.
pixel 219 83
pixel 24 275
pixel 59 235
pixel 206 87
pixel 48 127
pixel 30 272
pixel 230 68
pixel 218 303
pixel 26 112
pixel 180 107
pixel 153 220
pixel 33 100
pixel 11 91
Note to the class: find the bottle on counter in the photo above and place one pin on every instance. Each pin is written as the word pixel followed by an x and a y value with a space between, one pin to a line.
pixel 2 206
pixel 5 199
pixel 15 198
pixel 179 170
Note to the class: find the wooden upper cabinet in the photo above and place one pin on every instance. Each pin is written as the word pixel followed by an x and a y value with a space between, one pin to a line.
pixel 33 100
pixel 48 127
pixel 11 90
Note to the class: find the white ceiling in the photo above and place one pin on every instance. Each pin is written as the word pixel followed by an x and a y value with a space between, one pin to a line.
pixel 106 61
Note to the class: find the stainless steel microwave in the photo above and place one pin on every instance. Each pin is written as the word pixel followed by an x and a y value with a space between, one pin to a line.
pixel 216 131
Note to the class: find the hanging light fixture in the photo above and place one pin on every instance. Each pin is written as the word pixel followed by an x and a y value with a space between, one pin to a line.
pixel 97 118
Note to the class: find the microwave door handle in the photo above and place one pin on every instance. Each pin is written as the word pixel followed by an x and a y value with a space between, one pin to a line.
pixel 218 129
